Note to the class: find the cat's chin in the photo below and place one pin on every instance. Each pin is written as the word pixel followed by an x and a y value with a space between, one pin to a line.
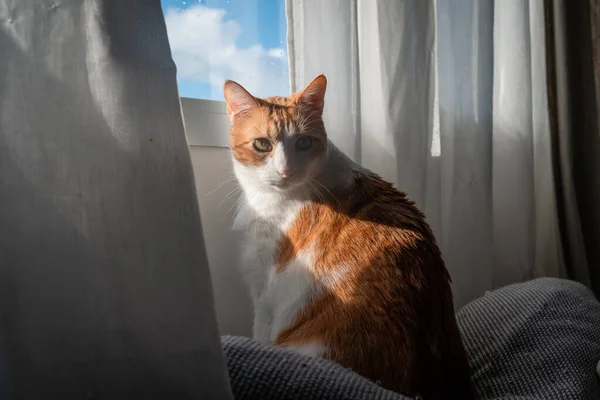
pixel 284 187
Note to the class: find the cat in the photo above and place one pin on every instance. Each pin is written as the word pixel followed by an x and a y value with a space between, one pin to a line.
pixel 339 264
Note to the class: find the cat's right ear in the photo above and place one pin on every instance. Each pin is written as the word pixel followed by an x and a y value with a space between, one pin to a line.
pixel 313 95
pixel 238 100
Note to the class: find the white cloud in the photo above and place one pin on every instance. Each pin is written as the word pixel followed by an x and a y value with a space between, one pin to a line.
pixel 276 53
pixel 204 47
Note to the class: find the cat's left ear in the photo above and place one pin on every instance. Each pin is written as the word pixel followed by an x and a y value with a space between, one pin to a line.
pixel 313 95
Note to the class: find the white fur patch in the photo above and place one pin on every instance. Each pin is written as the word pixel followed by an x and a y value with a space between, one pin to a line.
pixel 598 369
pixel 312 349
pixel 291 289
pixel 264 219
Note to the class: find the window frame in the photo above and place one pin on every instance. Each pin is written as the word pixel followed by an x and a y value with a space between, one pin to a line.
pixel 206 122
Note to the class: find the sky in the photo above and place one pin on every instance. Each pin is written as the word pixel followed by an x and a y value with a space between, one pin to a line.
pixel 215 40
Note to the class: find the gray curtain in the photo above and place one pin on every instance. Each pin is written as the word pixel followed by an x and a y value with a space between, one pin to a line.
pixel 573 28
pixel 104 285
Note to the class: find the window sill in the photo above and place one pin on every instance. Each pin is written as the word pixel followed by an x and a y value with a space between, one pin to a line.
pixel 206 122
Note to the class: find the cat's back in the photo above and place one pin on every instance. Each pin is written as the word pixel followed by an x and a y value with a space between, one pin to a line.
pixel 369 223
pixel 396 229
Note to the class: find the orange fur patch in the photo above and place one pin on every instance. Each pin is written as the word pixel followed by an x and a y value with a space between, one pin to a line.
pixel 390 318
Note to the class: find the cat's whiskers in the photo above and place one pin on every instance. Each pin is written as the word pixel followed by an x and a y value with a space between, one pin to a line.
pixel 235 190
pixel 315 190
pixel 318 193
pixel 237 202
pixel 325 187
pixel 220 185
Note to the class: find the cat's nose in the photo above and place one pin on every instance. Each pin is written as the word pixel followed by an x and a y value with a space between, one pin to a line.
pixel 285 173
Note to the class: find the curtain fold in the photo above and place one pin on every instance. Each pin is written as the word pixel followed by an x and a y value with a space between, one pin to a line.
pixel 104 285
pixel 573 83
pixel 448 100
pixel 526 231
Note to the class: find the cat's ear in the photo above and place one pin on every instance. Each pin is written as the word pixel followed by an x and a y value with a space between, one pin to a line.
pixel 313 95
pixel 238 100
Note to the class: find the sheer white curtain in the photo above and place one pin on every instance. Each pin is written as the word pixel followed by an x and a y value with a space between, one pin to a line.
pixel 447 99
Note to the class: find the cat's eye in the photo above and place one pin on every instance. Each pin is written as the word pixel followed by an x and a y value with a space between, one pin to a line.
pixel 304 143
pixel 262 145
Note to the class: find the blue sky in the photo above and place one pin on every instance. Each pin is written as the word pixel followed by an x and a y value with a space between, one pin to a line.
pixel 214 40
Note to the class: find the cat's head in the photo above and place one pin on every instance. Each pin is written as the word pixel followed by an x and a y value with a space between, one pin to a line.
pixel 277 143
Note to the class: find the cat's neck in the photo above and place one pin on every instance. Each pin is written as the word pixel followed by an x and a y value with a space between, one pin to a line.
pixel 336 174
pixel 337 171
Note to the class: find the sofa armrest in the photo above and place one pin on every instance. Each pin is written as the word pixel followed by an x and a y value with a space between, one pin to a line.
pixel 534 340
pixel 260 372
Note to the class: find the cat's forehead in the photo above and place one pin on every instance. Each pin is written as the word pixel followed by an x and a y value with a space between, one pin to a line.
pixel 280 115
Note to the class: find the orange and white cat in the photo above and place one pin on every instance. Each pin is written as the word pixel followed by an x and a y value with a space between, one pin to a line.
pixel 339 263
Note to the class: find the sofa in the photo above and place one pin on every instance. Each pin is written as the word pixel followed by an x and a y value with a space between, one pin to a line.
pixel 534 340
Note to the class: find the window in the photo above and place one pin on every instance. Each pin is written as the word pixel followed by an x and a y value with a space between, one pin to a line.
pixel 215 40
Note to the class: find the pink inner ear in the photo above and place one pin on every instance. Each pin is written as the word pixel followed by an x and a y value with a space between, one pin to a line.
pixel 238 99
pixel 313 96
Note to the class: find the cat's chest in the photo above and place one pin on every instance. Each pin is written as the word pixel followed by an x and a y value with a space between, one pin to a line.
pixel 262 240
pixel 263 237
pixel 279 291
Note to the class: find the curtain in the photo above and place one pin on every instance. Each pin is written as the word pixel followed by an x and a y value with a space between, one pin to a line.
pixel 104 284
pixel 448 100
pixel 573 31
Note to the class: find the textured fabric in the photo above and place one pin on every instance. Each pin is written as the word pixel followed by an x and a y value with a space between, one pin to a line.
pixel 261 372
pixel 104 284
pixel 536 340
pixel 438 97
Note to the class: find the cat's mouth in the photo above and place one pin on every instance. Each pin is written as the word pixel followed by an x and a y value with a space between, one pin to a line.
pixel 283 185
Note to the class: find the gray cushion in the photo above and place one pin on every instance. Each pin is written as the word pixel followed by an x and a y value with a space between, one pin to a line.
pixel 260 372
pixel 534 340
